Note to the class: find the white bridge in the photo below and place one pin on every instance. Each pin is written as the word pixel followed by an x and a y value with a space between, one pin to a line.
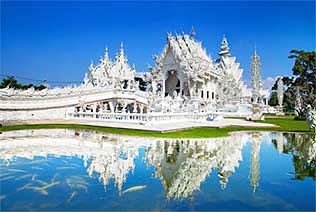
pixel 39 100
pixel 55 103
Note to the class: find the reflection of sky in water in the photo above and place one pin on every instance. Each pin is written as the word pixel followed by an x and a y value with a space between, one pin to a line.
pixel 76 170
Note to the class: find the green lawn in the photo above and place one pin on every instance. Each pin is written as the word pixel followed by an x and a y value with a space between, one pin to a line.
pixel 286 124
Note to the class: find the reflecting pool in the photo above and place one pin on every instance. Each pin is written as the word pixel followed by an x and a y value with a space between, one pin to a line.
pixel 83 170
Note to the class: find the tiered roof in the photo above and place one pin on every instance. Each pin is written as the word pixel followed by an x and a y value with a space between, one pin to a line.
pixel 231 71
pixel 189 55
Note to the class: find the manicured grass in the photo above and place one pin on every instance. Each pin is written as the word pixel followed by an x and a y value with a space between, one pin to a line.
pixel 286 124
pixel 189 133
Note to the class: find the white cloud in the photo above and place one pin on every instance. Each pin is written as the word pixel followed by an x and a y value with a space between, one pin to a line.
pixel 268 82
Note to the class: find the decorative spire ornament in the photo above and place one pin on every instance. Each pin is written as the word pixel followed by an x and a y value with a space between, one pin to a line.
pixel 91 68
pixel 224 48
pixel 169 36
pixel 120 56
pixel 192 34
pixel 106 54
pixel 122 49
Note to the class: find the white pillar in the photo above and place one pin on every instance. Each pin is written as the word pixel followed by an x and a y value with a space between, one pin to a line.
pixel 181 87
pixel 163 87
pixel 111 107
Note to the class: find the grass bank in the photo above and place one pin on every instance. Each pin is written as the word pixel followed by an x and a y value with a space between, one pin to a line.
pixel 285 124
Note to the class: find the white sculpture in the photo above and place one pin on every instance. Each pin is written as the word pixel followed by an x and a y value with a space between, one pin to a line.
pixel 85 79
pixel 280 92
pixel 311 118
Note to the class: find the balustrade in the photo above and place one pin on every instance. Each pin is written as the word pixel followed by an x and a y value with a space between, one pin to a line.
pixel 143 117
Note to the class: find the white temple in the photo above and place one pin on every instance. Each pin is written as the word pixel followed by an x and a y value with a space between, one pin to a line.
pixel 184 84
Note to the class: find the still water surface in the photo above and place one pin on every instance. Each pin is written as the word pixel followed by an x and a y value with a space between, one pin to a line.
pixel 84 170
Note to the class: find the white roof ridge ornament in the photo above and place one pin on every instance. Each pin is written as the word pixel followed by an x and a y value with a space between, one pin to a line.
pixel 192 34
pixel 225 50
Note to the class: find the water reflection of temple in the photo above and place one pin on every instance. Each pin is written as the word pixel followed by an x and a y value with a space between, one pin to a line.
pixel 182 165
pixel 108 156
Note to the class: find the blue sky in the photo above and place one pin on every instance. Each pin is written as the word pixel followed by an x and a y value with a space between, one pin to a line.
pixel 57 40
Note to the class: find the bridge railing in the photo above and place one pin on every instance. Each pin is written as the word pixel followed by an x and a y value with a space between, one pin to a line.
pixel 142 118
pixel 124 117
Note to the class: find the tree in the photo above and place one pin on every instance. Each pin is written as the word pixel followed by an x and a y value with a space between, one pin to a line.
pixel 11 82
pixel 300 88
pixel 304 84
pixel 273 101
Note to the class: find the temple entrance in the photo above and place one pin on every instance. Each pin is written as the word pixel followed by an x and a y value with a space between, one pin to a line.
pixel 172 84
pixel 186 91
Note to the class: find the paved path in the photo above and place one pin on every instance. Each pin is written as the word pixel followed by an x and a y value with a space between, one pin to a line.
pixel 156 127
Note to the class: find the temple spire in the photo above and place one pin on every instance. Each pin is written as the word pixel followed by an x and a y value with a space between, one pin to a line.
pixel 122 49
pixel 192 34
pixel 120 56
pixel 224 48
pixel 106 54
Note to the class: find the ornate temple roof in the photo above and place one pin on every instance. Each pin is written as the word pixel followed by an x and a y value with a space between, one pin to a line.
pixel 107 70
pixel 232 85
pixel 190 55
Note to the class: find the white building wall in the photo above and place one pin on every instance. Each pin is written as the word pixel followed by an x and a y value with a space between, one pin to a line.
pixel 209 90
pixel 16 115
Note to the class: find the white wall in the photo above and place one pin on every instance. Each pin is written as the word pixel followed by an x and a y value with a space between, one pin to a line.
pixel 15 115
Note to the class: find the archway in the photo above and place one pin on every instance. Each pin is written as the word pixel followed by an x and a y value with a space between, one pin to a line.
pixel 172 83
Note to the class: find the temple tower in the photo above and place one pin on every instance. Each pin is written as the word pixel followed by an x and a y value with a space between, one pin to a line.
pixel 224 48
pixel 255 77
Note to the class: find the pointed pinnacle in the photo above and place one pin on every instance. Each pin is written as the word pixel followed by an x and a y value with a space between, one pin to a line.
pixel 192 31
